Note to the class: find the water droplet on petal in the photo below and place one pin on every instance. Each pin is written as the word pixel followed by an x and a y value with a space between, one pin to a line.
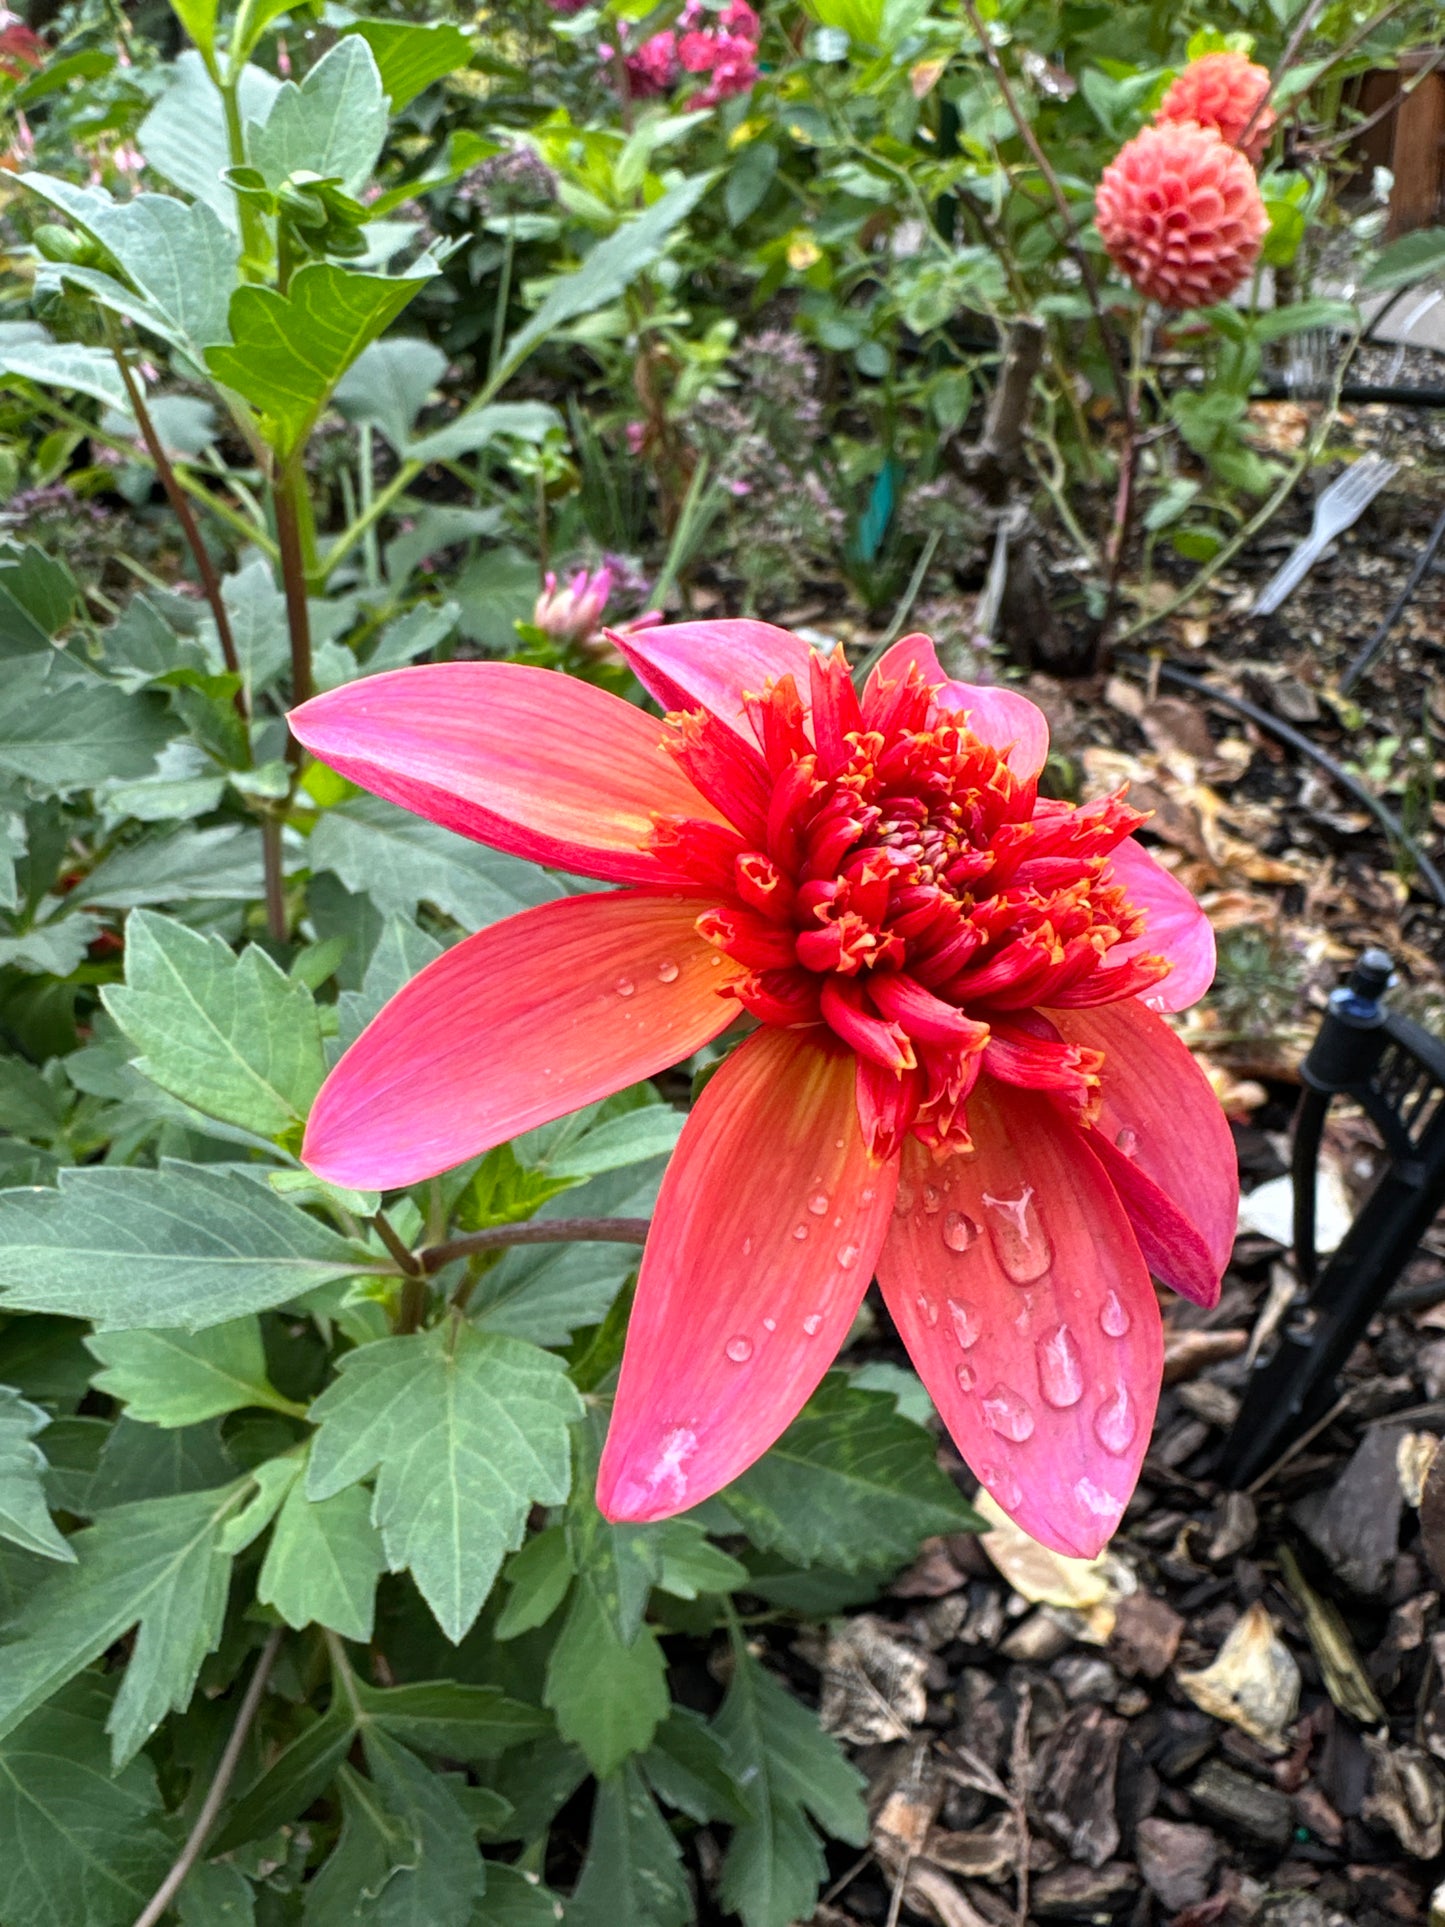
pixel 812 1323
pixel 868 1194
pixel 1008 1414
pixel 848 1257
pixel 667 1475
pixel 840 1144
pixel 714 962
pixel 967 1377
pixel 932 1198
pixel 959 1231
pixel 1061 1370
pixel 904 1200
pixel 667 973
pixel 747 1246
pixel 1114 1319
pixel 1128 1141
pixel 800 1231
pixel 967 1326
pixel 770 1324
pixel 927 1310
pixel 1003 1485
pixel 1102 1504
pixel 1018 1237
pixel 625 986
pixel 739 1349
pixel 1116 1423
pixel 818 1204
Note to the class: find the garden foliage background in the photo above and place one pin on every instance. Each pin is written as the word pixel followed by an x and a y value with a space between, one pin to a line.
pixel 324 336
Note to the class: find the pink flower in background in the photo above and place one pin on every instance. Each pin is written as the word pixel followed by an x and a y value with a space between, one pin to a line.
pixel 571 614
pixel 1181 214
pixel 721 45
pixel 1223 91
pixel 959 1077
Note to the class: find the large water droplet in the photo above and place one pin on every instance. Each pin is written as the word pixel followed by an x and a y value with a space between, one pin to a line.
pixel 927 1309
pixel 1003 1485
pixel 739 1349
pixel 904 1200
pixel 800 1231
pixel 967 1377
pixel 1018 1237
pixel 1114 1319
pixel 959 1231
pixel 932 1198
pixel 668 973
pixel 848 1256
pixel 813 1323
pixel 1102 1504
pixel 715 962
pixel 625 986
pixel 1128 1141
pixel 1116 1422
pixel 1008 1414
pixel 818 1204
pixel 967 1325
pixel 1061 1370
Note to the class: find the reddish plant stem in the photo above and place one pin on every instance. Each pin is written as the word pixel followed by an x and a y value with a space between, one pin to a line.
pixel 293 580
pixel 537 1231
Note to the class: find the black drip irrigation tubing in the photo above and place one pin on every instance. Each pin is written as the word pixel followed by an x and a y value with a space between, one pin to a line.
pixel 1398 607
pixel 1287 733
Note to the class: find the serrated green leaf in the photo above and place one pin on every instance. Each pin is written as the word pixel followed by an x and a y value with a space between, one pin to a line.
pixel 401 951
pixel 222 864
pixel 273 1478
pixel 609 1698
pixel 650 1131
pixel 37 598
pixel 787 1768
pixel 299 1775
pixel 171 1378
pixel 64 731
pixel 618 1564
pixel 686 1766
pixel 184 135
pixel 24 1517
pixel 142 1462
pixel 289 351
pixel 233 1036
pixel 84 1847
pixel 691 1564
pixel 851 1484
pixel 514 1899
pixel 332 125
pixel 447 1879
pixel 469 1430
pixel 458 1722
pixel 257 612
pixel 411 55
pixel 390 381
pixel 156 1565
pixel 323 1562
pixel 187 1245
pixel 374 1845
pixel 538 1577
pixel 633 1870
pixel 400 860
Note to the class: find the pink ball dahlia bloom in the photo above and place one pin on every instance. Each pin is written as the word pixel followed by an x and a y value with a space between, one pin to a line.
pixel 1222 91
pixel 1181 214
pixel 957 1079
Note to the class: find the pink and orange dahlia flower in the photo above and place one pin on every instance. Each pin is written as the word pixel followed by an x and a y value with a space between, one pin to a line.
pixel 1181 214
pixel 1223 91
pixel 958 1077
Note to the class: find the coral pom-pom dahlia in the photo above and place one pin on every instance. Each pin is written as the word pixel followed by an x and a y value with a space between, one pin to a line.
pixel 958 1081
pixel 1181 214
pixel 1222 91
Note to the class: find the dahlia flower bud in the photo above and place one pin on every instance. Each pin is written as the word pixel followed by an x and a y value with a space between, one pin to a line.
pixel 1222 91
pixel 1180 213
pixel 571 614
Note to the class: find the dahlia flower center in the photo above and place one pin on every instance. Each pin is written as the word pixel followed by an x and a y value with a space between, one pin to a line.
pixel 884 873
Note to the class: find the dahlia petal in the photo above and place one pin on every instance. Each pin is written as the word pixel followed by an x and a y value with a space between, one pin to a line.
pixel 1018 1288
pixel 767 1227
pixel 527 1020
pixel 1000 717
pixel 1158 1110
pixel 1177 928
pixel 527 760
pixel 684 664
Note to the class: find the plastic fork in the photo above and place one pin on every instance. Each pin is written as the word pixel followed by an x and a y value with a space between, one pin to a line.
pixel 1339 508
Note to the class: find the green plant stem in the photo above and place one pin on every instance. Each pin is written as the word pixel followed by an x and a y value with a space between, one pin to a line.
pixel 277 925
pixel 504 294
pixel 1118 546
pixel 159 1903
pixel 536 1231
pixel 205 568
pixel 366 477
pixel 255 242
pixel 289 486
pixel 368 518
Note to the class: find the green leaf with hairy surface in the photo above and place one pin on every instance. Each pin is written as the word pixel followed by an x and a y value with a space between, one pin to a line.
pixel 440 1890
pixel 155 1565
pixel 323 1562
pixel 458 1722
pixel 257 612
pixel 37 597
pixel 84 1847
pixel 401 952
pixel 233 1036
pixel 469 1430
pixel 222 864
pixel 619 1564
pixel 515 1899
pixel 289 351
pixel 184 134
pixel 331 126
pixel 410 55
pixel 143 1462
pixel 787 1769
pixel 537 1578
pixel 374 1845
pixel 650 1131
pixel 63 731
pixel 400 860
pixel 27 350
pixel 390 381
pixel 609 1698
pixel 273 1479
pixel 687 1766
pixel 171 1378
pixel 187 1245
pixel 851 1484
pixel 633 1870
pixel 690 1564
pixel 299 1775
pixel 528 421
pixel 24 1518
